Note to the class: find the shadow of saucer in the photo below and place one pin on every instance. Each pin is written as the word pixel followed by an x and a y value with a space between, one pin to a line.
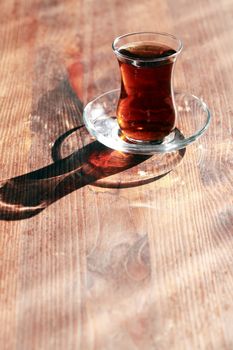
pixel 152 167
pixel 27 195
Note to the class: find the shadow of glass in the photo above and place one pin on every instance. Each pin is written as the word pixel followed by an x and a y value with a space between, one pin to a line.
pixel 27 195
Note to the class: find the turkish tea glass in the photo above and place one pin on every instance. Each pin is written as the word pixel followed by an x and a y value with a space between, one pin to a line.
pixel 146 110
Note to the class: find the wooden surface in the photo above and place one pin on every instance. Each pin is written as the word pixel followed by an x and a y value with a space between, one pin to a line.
pixel 111 266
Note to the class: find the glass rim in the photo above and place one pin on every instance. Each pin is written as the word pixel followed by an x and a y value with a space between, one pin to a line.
pixel 164 34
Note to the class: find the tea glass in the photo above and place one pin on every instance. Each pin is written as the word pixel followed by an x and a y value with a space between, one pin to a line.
pixel 146 110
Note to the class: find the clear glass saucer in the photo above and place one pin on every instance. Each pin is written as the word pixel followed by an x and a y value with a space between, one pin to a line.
pixel 192 121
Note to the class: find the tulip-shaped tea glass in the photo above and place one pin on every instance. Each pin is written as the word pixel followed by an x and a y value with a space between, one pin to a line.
pixel 146 110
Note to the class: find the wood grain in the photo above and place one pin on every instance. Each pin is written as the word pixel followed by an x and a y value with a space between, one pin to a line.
pixel 97 267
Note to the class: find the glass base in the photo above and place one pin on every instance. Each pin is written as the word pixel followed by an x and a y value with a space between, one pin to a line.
pixel 166 139
pixel 193 119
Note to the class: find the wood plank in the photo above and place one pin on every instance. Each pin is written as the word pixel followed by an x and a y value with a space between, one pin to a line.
pixel 91 267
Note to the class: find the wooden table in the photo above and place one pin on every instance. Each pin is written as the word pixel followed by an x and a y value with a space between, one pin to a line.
pixel 111 265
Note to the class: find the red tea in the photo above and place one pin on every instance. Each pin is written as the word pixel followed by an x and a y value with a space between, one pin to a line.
pixel 146 110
